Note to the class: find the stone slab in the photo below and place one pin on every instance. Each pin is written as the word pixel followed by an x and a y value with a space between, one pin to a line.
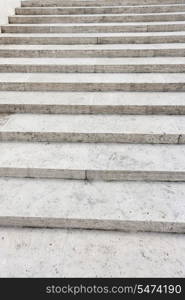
pixel 109 50
pixel 65 253
pixel 93 38
pixel 96 18
pixel 99 10
pixel 97 129
pixel 93 103
pixel 126 206
pixel 93 65
pixel 50 3
pixel 118 162
pixel 92 82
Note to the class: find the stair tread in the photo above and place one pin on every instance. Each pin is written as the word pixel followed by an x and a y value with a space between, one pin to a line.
pixel 94 78
pixel 103 9
pixel 108 24
pixel 89 18
pixel 109 254
pixel 98 99
pixel 93 124
pixel 105 34
pixel 95 46
pixel 103 14
pixel 106 6
pixel 118 103
pixel 97 3
pixel 94 61
pixel 114 205
pixel 83 156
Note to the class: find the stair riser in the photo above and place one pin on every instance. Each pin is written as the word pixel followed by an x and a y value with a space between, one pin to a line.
pixel 93 53
pixel 98 10
pixel 93 87
pixel 94 19
pixel 92 109
pixel 156 176
pixel 67 3
pixel 92 29
pixel 92 138
pixel 91 40
pixel 96 224
pixel 176 68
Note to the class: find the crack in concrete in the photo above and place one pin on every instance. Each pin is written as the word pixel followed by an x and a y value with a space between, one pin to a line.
pixel 86 176
pixel 179 138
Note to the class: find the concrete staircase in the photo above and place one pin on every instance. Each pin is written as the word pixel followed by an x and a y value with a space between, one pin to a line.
pixel 92 124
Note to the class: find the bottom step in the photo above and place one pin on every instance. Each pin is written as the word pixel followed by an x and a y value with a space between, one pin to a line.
pixel 124 206
pixel 77 253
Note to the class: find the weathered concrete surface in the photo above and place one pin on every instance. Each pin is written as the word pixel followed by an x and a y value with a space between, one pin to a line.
pixel 74 253
pixel 93 38
pixel 102 129
pixel 136 82
pixel 95 65
pixel 124 206
pixel 99 10
pixel 39 3
pixel 114 50
pixel 96 18
pixel 116 103
pixel 94 27
pixel 91 202
pixel 93 161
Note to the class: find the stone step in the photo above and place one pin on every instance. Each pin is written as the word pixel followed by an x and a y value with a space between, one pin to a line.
pixel 94 65
pixel 92 82
pixel 94 27
pixel 97 129
pixel 96 18
pixel 123 206
pixel 93 38
pixel 93 103
pixel 99 10
pixel 92 161
pixel 53 3
pixel 111 50
pixel 27 252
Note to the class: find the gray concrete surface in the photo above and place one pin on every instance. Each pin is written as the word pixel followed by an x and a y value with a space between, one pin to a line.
pixel 39 3
pixel 74 253
pixel 95 65
pixel 93 161
pixel 159 82
pixel 96 18
pixel 116 103
pixel 126 206
pixel 99 10
pixel 102 129
pixel 114 50
pixel 92 164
